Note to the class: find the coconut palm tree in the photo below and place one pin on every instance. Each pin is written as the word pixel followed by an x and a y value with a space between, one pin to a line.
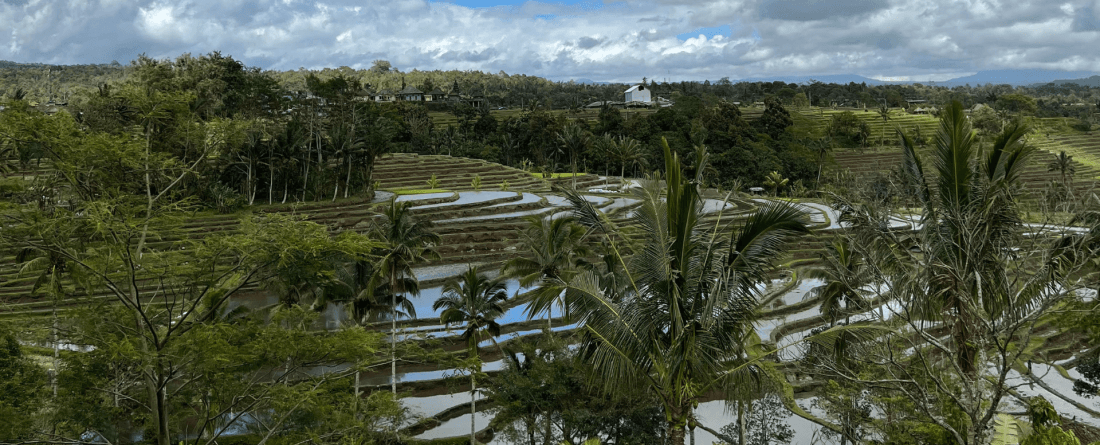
pixel 554 249
pixel 408 241
pixel 627 151
pixel 822 147
pixel 51 269
pixel 574 140
pixel 682 324
pixel 969 297
pixel 1063 164
pixel 844 277
pixel 775 181
pixel 474 300
pixel 367 298
pixel 970 220
pixel 884 113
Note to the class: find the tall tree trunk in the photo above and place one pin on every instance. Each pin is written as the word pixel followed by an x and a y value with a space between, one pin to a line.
pixel 305 177
pixel 847 428
pixel 473 408
pixel 347 180
pixel 320 169
pixel 574 162
pixel 148 193
pixel 393 345
pixel 818 181
pixel 162 415
pixel 271 174
pixel 741 423
pixel 675 434
pixel 56 351
pixel 368 169
pixel 548 429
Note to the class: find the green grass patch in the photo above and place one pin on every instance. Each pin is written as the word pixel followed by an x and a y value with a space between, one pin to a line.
pixel 400 192
pixel 557 175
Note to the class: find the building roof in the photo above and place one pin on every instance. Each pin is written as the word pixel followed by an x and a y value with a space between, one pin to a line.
pixel 410 90
pixel 437 92
pixel 634 88
pixel 385 93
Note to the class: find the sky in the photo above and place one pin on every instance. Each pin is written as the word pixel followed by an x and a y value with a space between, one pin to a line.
pixel 619 41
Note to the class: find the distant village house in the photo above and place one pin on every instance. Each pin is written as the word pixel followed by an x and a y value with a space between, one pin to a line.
pixel 638 93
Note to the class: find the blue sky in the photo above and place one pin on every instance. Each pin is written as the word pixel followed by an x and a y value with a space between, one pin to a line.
pixel 621 40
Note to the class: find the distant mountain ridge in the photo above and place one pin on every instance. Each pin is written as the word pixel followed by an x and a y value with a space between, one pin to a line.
pixel 840 79
pixel 1091 81
pixel 1016 77
pixel 996 77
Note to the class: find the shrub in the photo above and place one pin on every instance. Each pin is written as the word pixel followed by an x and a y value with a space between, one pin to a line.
pixel 226 200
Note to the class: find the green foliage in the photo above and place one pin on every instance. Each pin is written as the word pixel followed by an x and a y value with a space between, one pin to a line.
pixel 542 378
pixel 504 185
pixel 775 119
pixel 986 120
pixel 476 182
pixel 225 199
pixel 1016 103
pixel 775 181
pixel 847 126
pixel 1006 430
pixel 764 424
pixel 1041 412
pixel 1050 436
pixel 433 182
pixel 473 300
pixel 636 340
pixel 22 389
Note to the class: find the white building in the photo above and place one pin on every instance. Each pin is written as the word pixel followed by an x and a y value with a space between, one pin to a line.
pixel 638 93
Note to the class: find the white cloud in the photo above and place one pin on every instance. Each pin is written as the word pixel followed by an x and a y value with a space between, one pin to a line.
pixel 606 41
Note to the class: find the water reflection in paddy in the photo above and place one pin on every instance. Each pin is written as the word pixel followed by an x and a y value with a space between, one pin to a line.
pixel 470 198
pixel 458 426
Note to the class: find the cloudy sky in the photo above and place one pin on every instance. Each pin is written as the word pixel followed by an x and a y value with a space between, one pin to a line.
pixel 600 40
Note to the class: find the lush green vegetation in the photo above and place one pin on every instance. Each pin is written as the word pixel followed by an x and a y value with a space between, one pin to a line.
pixel 195 253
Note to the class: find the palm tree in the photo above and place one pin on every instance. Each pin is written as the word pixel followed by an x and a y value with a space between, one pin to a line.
pixel 555 250
pixel 844 276
pixel 408 241
pixel 627 151
pixel 51 268
pixel 884 113
pixel 574 140
pixel 775 181
pixel 821 147
pixel 969 202
pixel 1063 164
pixel 983 295
pixel 682 324
pixel 474 300
pixel 367 298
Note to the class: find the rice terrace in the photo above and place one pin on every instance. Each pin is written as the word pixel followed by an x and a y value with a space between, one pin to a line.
pixel 423 223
